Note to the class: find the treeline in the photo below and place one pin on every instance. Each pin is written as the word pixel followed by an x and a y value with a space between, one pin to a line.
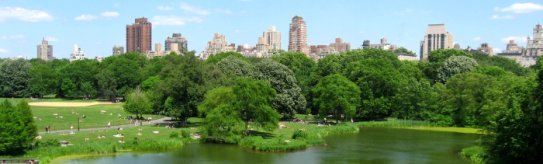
pixel 452 88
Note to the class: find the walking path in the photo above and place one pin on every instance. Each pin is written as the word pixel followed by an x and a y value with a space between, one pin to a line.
pixel 152 122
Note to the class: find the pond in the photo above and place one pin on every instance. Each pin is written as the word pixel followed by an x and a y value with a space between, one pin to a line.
pixel 371 145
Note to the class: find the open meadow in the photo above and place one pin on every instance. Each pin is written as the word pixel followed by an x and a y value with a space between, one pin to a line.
pixel 59 114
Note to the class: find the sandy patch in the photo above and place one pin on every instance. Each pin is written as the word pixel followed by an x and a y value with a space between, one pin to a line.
pixel 66 104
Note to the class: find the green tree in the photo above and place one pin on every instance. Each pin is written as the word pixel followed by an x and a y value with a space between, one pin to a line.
pixel 230 110
pixel 43 79
pixel 472 99
pixel 443 54
pixel 515 135
pixel 215 58
pixel 126 71
pixel 137 103
pixel 455 65
pixel 77 73
pixel 17 128
pixel 337 95
pixel 15 77
pixel 215 98
pixel 289 99
pixel 182 80
pixel 254 103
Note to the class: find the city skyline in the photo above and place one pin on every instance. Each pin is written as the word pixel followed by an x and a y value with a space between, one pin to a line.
pixel 97 29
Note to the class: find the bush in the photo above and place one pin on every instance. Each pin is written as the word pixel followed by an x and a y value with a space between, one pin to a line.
pixel 299 134
pixel 474 153
pixel 48 143
pixel 174 135
pixel 185 133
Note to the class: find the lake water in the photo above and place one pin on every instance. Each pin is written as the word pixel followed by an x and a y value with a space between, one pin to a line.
pixel 371 145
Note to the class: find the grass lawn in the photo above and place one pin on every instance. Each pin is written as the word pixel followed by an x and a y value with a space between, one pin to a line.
pixel 61 118
pixel 142 138
pixel 449 129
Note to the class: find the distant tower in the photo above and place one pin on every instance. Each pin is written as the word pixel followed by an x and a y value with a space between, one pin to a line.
pixel 45 51
pixel 436 38
pixel 77 54
pixel 139 36
pixel 272 38
pixel 534 46
pixel 117 50
pixel 176 43
pixel 298 36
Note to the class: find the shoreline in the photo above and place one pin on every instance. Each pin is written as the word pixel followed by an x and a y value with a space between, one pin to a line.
pixel 307 144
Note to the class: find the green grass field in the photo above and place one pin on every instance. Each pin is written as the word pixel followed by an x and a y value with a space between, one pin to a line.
pixel 138 139
pixel 62 118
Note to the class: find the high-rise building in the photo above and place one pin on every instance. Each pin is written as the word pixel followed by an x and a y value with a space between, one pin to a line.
pixel 118 50
pixel 139 36
pixel 272 38
pixel 216 45
pixel 77 54
pixel 512 47
pixel 383 44
pixel 297 41
pixel 436 38
pixel 534 46
pixel 158 48
pixel 45 51
pixel 486 48
pixel 340 46
pixel 176 43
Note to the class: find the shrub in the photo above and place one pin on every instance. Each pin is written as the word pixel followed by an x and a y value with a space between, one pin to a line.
pixel 185 133
pixel 474 153
pixel 299 134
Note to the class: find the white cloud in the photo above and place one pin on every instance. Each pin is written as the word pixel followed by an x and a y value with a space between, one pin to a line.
pixel 517 39
pixel 194 9
pixel 51 39
pixel 496 50
pixel 22 14
pixel 12 37
pixel 3 51
pixel 477 38
pixel 110 14
pixel 497 16
pixel 85 17
pixel 521 8
pixel 164 8
pixel 223 11
pixel 174 20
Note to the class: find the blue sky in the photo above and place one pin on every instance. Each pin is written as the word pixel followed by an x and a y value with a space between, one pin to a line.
pixel 98 25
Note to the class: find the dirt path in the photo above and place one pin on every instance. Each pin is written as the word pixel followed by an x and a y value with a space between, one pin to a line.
pixel 66 104
pixel 152 122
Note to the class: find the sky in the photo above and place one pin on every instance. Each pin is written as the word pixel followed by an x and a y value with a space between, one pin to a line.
pixel 96 26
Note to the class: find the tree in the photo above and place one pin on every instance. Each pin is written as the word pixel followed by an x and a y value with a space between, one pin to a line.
pixel 215 98
pixel 377 74
pixel 43 79
pixel 472 99
pixel 182 81
pixel 137 103
pixel 120 74
pixel 15 77
pixel 73 75
pixel 515 136
pixel 229 110
pixel 337 95
pixel 17 128
pixel 443 54
pixel 215 58
pixel 455 65
pixel 301 65
pixel 289 99
pixel 254 98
